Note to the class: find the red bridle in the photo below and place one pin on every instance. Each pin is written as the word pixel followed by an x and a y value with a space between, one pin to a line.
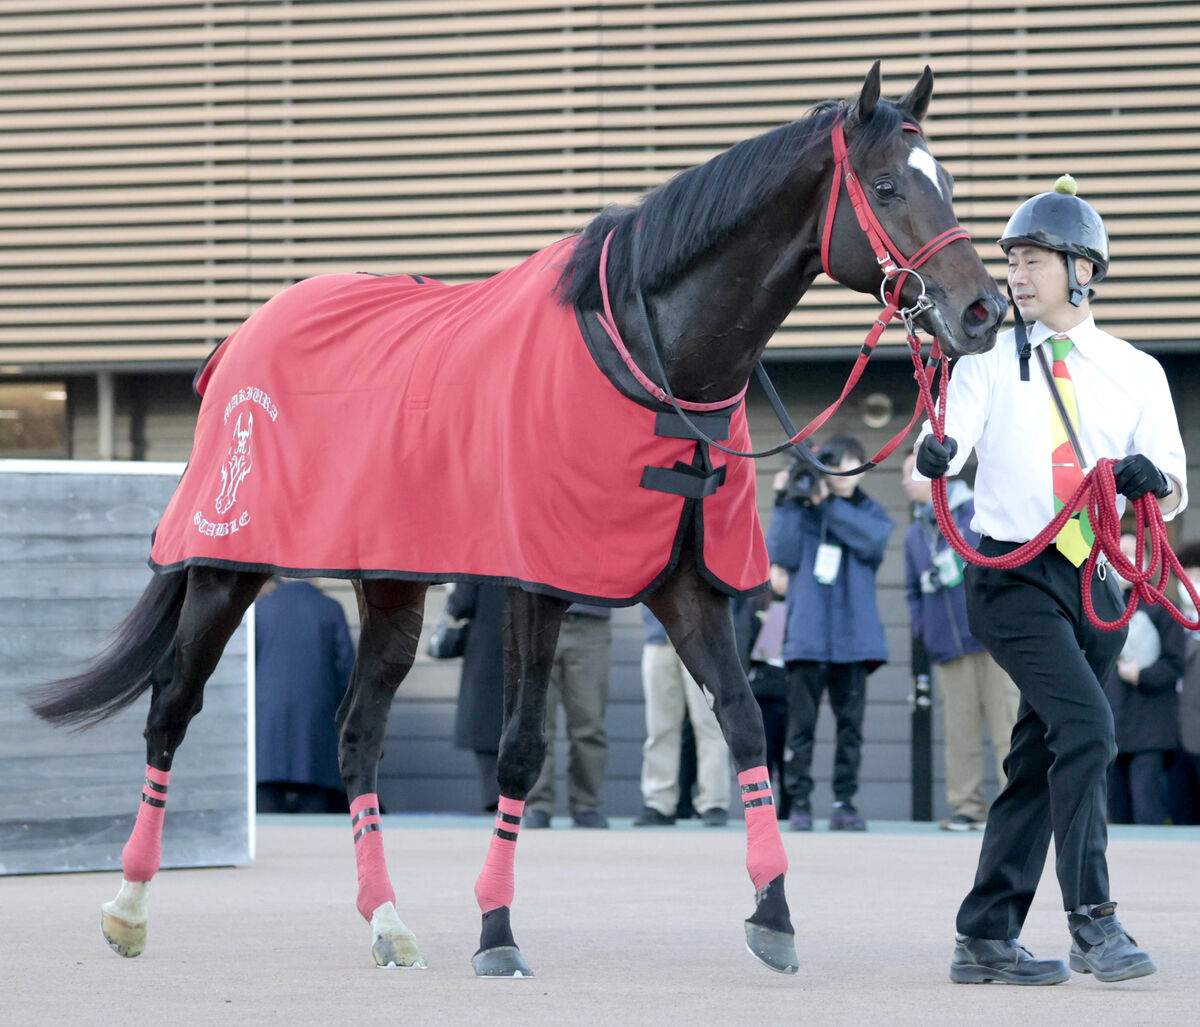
pixel 891 260
pixel 896 269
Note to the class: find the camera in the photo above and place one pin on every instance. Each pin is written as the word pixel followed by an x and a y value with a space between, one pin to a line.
pixel 804 480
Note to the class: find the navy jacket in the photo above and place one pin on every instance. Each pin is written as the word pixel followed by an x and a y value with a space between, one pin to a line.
pixel 303 658
pixel 838 622
pixel 939 618
pixel 479 715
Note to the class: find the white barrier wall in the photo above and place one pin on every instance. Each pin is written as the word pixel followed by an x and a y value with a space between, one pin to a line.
pixel 74 538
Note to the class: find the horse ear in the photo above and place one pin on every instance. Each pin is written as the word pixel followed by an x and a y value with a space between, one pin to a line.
pixel 864 107
pixel 917 102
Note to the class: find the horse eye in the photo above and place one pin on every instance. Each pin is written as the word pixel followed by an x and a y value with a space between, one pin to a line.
pixel 885 188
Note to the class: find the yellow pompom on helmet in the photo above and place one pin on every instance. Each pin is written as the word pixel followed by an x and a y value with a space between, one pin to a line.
pixel 1059 220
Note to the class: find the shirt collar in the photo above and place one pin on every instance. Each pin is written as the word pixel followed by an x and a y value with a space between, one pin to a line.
pixel 1084 335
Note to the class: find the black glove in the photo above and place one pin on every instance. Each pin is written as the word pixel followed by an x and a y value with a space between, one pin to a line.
pixel 933 457
pixel 1136 476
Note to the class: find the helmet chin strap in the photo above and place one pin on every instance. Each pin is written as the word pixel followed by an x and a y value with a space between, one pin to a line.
pixel 1076 293
pixel 1021 337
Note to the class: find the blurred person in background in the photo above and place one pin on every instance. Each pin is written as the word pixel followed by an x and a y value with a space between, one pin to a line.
pixel 302 664
pixel 974 690
pixel 1143 691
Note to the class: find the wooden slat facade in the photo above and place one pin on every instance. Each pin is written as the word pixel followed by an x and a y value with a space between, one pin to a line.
pixel 165 168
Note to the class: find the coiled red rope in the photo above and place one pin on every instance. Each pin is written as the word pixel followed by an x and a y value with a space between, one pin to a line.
pixel 1098 491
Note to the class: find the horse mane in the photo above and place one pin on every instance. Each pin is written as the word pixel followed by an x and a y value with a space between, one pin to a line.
pixel 684 218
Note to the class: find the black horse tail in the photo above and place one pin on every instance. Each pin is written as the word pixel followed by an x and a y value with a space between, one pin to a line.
pixel 124 670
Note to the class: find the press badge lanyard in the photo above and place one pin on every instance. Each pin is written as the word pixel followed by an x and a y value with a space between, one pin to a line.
pixel 828 560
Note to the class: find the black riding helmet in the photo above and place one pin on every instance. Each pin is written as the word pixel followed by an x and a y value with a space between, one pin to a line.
pixel 1061 221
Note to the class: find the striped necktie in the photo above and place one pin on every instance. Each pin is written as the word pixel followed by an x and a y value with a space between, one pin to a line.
pixel 1075 539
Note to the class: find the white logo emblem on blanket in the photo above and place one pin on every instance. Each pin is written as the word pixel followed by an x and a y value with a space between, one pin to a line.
pixel 239 462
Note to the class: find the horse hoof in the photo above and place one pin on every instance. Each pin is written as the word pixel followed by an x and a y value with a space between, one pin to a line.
pixel 502 961
pixel 398 952
pixel 124 938
pixel 394 945
pixel 774 949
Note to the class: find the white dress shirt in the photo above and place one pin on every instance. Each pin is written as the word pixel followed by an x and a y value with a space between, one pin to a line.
pixel 1124 407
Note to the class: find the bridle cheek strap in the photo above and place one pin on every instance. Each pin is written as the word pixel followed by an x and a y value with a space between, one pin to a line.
pixel 891 259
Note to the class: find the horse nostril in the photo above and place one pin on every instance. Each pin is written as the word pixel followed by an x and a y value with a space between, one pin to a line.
pixel 981 316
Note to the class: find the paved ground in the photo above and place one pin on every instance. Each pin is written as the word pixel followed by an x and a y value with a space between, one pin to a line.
pixel 621 927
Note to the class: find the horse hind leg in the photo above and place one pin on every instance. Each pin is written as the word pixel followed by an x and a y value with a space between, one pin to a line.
pixel 212 609
pixel 390 613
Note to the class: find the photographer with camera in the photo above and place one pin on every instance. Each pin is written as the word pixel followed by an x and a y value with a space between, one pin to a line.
pixel 826 542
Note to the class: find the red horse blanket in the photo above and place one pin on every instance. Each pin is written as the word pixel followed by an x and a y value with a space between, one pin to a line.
pixel 363 426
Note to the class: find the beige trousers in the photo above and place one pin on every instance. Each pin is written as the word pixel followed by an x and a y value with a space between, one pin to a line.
pixel 669 691
pixel 974 691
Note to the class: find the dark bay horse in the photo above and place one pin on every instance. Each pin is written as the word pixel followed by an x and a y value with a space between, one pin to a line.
pixel 722 253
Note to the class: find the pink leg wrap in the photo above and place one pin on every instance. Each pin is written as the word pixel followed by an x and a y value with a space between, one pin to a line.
pixel 496 883
pixel 374 885
pixel 765 858
pixel 142 854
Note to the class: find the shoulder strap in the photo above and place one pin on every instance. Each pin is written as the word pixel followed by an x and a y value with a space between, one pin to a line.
pixel 1061 407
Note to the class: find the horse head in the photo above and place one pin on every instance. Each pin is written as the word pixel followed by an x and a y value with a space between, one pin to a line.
pixel 907 194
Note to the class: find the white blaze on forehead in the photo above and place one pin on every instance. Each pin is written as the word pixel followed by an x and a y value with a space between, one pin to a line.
pixel 923 161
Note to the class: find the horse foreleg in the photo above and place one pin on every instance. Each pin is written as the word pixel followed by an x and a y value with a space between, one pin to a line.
pixel 212 609
pixel 390 612
pixel 531 626
pixel 699 624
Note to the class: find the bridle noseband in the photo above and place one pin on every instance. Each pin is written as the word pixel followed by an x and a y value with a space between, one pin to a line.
pixel 896 269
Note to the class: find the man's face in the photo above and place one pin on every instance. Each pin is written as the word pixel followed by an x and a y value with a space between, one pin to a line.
pixel 1038 280
pixel 845 487
pixel 917 491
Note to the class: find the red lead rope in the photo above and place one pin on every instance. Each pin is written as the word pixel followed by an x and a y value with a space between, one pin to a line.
pixel 1099 491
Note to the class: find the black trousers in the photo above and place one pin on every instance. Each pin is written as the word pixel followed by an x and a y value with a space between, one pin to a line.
pixel 1137 788
pixel 847 687
pixel 775 720
pixel 1031 620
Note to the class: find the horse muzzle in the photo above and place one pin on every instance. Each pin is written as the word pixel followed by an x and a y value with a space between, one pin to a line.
pixel 976 327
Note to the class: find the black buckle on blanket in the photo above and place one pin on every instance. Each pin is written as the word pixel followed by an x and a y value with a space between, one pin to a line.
pixel 669 425
pixel 683 480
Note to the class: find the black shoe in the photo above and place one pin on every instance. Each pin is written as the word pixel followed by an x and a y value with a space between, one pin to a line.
pixel 846 818
pixel 535 819
pixel 980 960
pixel 801 820
pixel 715 817
pixel 1100 946
pixel 960 822
pixel 590 818
pixel 650 817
